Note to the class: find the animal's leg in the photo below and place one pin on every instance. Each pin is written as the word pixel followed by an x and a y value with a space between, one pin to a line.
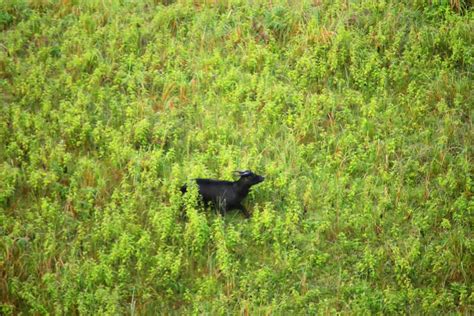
pixel 244 210
pixel 221 206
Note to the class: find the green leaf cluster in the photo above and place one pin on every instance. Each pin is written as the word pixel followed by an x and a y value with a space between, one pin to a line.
pixel 358 113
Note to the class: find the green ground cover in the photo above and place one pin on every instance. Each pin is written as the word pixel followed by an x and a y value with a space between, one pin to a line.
pixel 359 114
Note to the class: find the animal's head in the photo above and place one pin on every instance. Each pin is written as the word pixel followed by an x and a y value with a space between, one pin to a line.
pixel 249 178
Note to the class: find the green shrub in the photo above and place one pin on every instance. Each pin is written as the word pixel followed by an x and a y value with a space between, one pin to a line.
pixel 358 114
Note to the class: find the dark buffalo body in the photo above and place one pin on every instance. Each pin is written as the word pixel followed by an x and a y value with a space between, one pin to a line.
pixel 227 195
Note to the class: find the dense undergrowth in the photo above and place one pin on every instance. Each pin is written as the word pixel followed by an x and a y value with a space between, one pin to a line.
pixel 359 114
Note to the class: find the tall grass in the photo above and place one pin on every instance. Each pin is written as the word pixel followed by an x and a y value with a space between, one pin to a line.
pixel 359 114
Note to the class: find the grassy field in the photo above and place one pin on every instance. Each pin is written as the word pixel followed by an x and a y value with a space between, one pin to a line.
pixel 359 114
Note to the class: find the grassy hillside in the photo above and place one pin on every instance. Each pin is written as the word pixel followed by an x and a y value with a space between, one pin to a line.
pixel 359 114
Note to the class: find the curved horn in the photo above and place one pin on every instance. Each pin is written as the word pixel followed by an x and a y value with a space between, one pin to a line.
pixel 243 173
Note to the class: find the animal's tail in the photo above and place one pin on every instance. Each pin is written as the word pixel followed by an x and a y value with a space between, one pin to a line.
pixel 182 213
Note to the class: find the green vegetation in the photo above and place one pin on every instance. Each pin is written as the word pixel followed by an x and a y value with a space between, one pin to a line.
pixel 359 114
